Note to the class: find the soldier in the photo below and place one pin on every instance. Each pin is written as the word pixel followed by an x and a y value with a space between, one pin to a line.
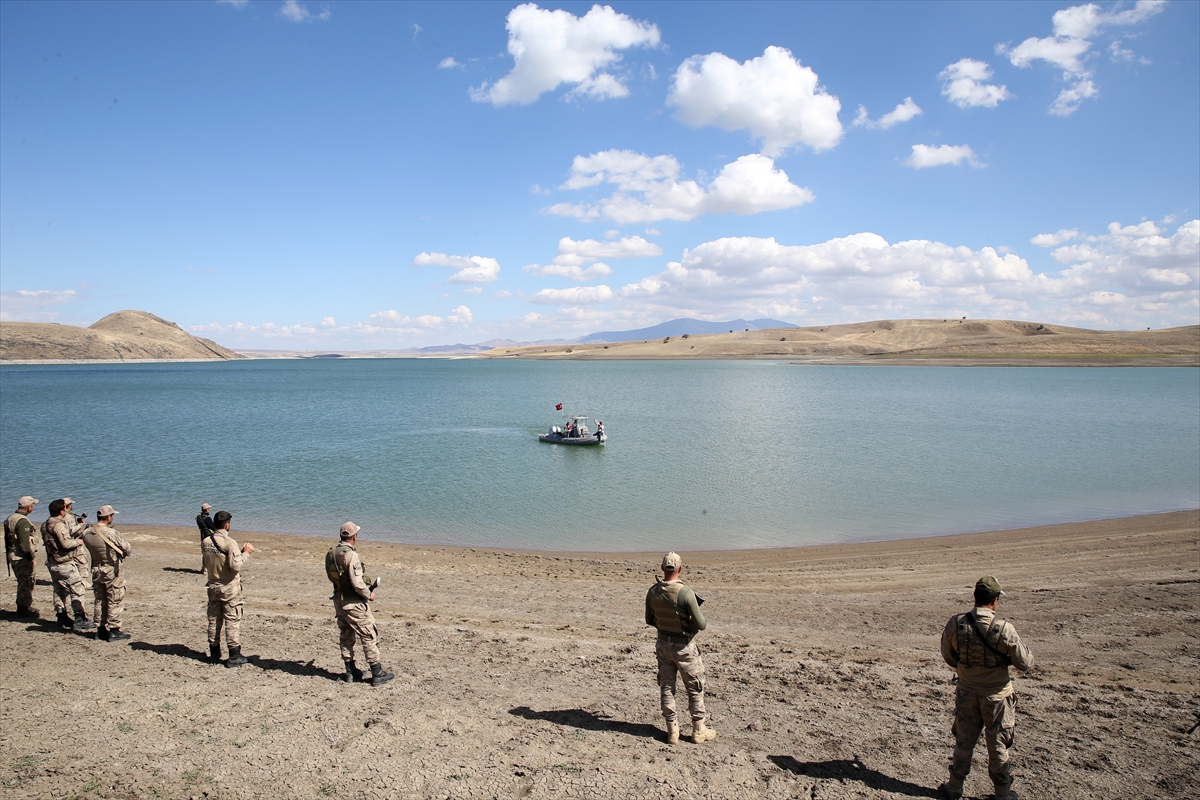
pixel 108 549
pixel 205 523
pixel 674 609
pixel 83 558
pixel 224 561
pixel 351 597
pixel 21 550
pixel 980 648
pixel 61 546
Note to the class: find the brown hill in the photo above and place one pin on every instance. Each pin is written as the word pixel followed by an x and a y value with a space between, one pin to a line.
pixel 906 341
pixel 122 336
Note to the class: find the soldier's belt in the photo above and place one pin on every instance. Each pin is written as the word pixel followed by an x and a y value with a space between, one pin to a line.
pixel 677 638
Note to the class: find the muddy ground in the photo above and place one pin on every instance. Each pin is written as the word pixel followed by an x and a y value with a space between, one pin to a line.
pixel 531 675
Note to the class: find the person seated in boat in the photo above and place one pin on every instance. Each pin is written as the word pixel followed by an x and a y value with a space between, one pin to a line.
pixel 567 433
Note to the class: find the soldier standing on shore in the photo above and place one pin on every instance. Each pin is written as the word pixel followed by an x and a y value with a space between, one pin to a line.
pixel 21 549
pixel 61 549
pixel 223 560
pixel 108 549
pixel 981 647
pixel 351 598
pixel 205 523
pixel 77 526
pixel 674 609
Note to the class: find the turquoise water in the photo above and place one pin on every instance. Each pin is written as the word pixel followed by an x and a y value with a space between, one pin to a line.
pixel 711 454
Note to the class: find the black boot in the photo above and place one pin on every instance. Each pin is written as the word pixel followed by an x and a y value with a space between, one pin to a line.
pixel 64 619
pixel 214 653
pixel 117 635
pixel 353 673
pixel 236 659
pixel 378 676
pixel 28 611
pixel 83 624
pixel 102 634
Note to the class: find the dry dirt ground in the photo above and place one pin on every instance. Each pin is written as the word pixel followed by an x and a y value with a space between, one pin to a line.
pixel 531 675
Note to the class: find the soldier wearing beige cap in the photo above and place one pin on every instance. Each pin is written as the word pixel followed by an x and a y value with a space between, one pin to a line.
pixel 981 648
pixel 77 526
pixel 62 545
pixel 21 549
pixel 674 609
pixel 108 549
pixel 224 560
pixel 351 598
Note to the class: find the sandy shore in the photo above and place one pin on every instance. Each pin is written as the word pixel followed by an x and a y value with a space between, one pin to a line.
pixel 531 674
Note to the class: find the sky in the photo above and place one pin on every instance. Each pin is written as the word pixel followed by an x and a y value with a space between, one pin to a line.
pixel 371 175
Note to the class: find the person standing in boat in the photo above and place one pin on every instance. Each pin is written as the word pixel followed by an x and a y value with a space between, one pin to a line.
pixel 599 429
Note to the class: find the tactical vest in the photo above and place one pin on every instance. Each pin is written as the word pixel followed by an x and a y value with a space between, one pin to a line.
pixel 55 553
pixel 664 603
pixel 335 569
pixel 974 651
pixel 10 533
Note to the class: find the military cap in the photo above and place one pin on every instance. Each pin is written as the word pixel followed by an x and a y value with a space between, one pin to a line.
pixel 27 501
pixel 989 584
pixel 68 501
pixel 672 561
pixel 106 511
pixel 205 507
pixel 349 530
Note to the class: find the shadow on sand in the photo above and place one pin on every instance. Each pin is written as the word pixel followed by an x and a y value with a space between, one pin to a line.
pixel 177 650
pixel 855 770
pixel 299 668
pixel 589 721
pixel 184 570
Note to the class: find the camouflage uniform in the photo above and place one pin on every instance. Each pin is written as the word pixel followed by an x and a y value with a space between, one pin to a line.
pixel 61 546
pixel 21 547
pixel 224 560
pixel 674 610
pixel 83 559
pixel 108 549
pixel 984 700
pixel 350 602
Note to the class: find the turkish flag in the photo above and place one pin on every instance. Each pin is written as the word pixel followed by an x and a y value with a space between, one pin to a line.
pixel 558 407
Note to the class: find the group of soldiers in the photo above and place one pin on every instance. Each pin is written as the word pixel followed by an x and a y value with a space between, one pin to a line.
pixel 979 646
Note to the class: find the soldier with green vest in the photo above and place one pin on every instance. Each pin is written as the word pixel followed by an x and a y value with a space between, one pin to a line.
pixel 674 609
pixel 351 598
pixel 981 648
pixel 21 549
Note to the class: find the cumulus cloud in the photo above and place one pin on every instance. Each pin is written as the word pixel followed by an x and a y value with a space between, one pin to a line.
pixel 1074 29
pixel 575 295
pixel 965 83
pixel 573 271
pixel 552 48
pixel 295 11
pixel 33 305
pixel 1055 239
pixel 578 252
pixel 924 155
pixel 773 96
pixel 461 316
pixel 1129 276
pixel 649 188
pixel 901 113
pixel 471 269
pixel 328 322
pixel 394 319
pixel 449 62
pixel 267 330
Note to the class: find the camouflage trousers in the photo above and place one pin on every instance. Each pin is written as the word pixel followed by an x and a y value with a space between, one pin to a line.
pixel 679 659
pixel 996 718
pixel 109 594
pixel 225 608
pixel 23 570
pixel 356 622
pixel 68 588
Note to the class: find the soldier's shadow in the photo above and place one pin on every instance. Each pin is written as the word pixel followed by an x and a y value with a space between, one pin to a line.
pixel 298 668
pixel 851 770
pixel 177 650
pixel 40 624
pixel 589 721
pixel 185 570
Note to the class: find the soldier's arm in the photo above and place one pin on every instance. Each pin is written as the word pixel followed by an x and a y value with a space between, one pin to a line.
pixel 1020 655
pixel 691 608
pixel 355 570
pixel 235 558
pixel 25 536
pixel 649 611
pixel 66 540
pixel 950 642
pixel 126 547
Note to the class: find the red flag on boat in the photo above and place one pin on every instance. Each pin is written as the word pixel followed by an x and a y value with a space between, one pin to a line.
pixel 558 407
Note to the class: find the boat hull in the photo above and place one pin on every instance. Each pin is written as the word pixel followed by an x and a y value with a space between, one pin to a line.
pixel 583 441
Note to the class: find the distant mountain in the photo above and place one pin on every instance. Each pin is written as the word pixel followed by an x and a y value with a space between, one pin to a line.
pixel 121 336
pixel 678 327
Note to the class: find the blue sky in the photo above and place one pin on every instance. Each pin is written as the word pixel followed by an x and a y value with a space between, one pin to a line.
pixel 378 175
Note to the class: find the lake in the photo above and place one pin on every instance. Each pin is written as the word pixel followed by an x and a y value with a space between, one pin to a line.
pixel 701 455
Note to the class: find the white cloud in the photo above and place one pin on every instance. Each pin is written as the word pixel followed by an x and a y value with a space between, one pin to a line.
pixel 572 252
pixel 653 232
pixel 901 113
pixel 924 155
pixel 449 62
pixel 1055 239
pixel 394 319
pixel 773 96
pixel 239 4
pixel 964 83
pixel 25 305
pixel 1132 276
pixel 575 272
pixel 267 330
pixel 649 189
pixel 550 48
pixel 473 290
pixel 1074 28
pixel 471 269
pixel 328 322
pixel 580 295
pixel 461 316
pixel 295 11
